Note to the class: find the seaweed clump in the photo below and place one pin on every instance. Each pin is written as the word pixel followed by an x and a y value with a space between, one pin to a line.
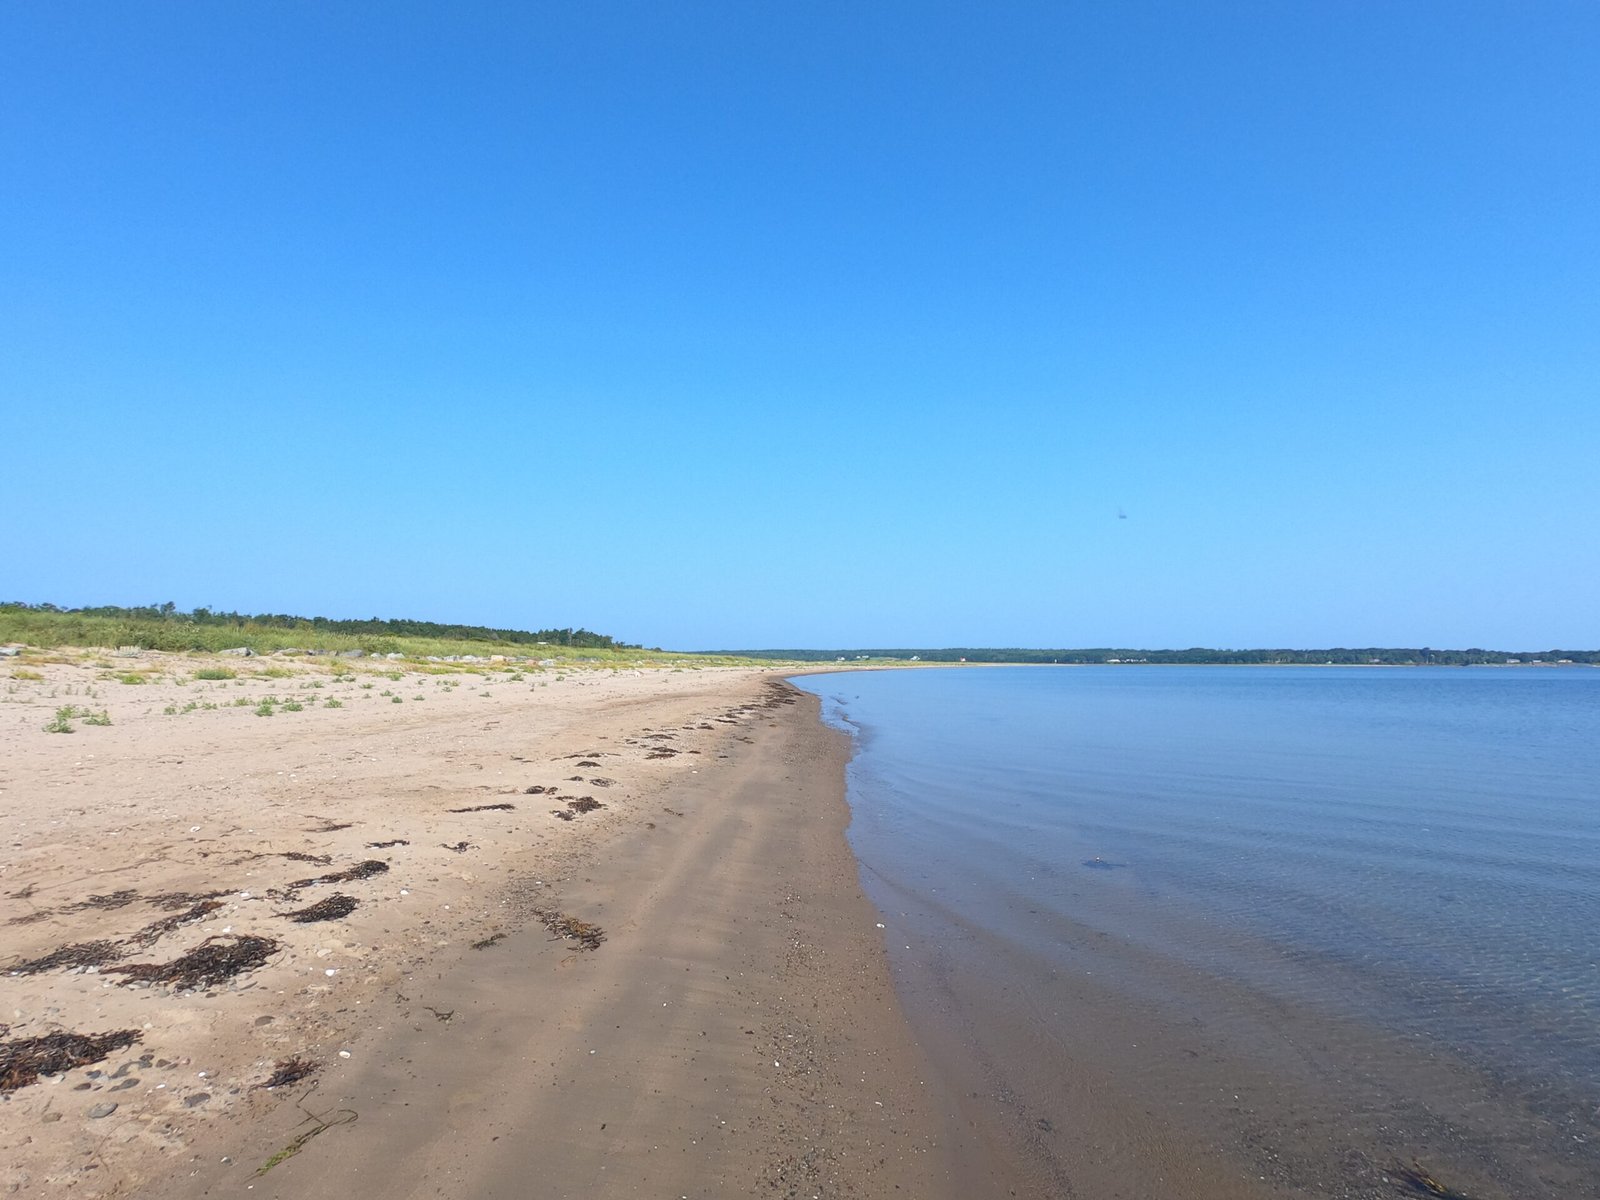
pixel 79 954
pixel 362 870
pixel 216 960
pixel 151 933
pixel 289 1070
pixel 331 909
pixel 1417 1181
pixel 587 934
pixel 22 1061
pixel 485 808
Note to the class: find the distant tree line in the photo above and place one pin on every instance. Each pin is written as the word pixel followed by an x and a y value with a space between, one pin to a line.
pixel 373 627
pixel 1341 656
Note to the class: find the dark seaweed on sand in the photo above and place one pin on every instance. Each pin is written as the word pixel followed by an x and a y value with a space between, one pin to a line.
pixel 289 1070
pixel 79 954
pixel 214 961
pixel 386 845
pixel 458 848
pixel 485 808
pixel 22 1061
pixel 151 933
pixel 1415 1180
pixel 362 870
pixel 587 934
pixel 168 901
pixel 331 909
pixel 320 860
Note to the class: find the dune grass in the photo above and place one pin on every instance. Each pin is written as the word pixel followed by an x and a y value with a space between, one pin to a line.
pixel 56 630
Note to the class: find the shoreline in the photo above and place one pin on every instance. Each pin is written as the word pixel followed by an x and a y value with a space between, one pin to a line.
pixel 736 1031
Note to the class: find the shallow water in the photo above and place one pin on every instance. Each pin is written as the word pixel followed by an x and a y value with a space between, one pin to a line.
pixel 1368 897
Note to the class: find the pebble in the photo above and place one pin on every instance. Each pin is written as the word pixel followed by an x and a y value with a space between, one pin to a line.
pixel 196 1100
pixel 50 1118
pixel 103 1109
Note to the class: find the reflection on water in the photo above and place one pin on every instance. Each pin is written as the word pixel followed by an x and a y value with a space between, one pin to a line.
pixel 1412 854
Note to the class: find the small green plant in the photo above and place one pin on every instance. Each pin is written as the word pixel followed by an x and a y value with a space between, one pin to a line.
pixel 215 673
pixel 366 687
pixel 316 683
pixel 395 674
pixel 277 672
pixel 265 709
pixel 100 718
pixel 207 706
pixel 293 706
pixel 24 673
pixel 170 710
pixel 63 720
pixel 332 703
pixel 132 677
pixel 241 701
pixel 397 699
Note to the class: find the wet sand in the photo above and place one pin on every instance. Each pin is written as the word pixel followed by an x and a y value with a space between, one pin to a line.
pixel 735 1033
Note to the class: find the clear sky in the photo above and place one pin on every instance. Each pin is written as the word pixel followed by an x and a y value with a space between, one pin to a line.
pixel 810 324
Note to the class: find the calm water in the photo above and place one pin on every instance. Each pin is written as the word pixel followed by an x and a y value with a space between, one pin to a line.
pixel 1393 864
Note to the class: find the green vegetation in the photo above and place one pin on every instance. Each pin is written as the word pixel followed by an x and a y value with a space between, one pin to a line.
pixel 100 718
pixel 1198 655
pixel 215 673
pixel 62 722
pixel 163 627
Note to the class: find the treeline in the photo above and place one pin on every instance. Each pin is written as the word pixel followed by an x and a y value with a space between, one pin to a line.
pixel 1341 656
pixel 375 627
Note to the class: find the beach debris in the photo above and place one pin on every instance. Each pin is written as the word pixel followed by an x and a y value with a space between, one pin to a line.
pixel 584 804
pixel 492 939
pixel 329 825
pixel 387 845
pixel 320 860
pixel 587 934
pixel 78 954
pixel 362 870
pixel 458 848
pixel 289 1070
pixel 22 1061
pixel 588 762
pixel 117 899
pixel 662 752
pixel 485 808
pixel 331 909
pixel 153 932
pixel 321 1125
pixel 216 960
pixel 444 1018
pixel 536 790
pixel 168 901
pixel 1100 864
pixel 600 782
pixel 1417 1181
pixel 561 814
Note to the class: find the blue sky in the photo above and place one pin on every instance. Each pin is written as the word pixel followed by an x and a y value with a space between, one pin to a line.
pixel 736 325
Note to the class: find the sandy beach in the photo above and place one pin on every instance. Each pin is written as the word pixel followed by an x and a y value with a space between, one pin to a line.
pixel 365 928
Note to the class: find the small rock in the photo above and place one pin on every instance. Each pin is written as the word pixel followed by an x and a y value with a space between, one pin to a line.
pixel 239 651
pixel 50 1118
pixel 104 1109
pixel 196 1100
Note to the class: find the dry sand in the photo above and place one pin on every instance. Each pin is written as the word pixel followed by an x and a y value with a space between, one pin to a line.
pixel 734 1034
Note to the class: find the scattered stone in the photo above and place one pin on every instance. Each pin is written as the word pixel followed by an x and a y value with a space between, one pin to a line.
pixel 104 1109
pixel 239 652
pixel 196 1100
